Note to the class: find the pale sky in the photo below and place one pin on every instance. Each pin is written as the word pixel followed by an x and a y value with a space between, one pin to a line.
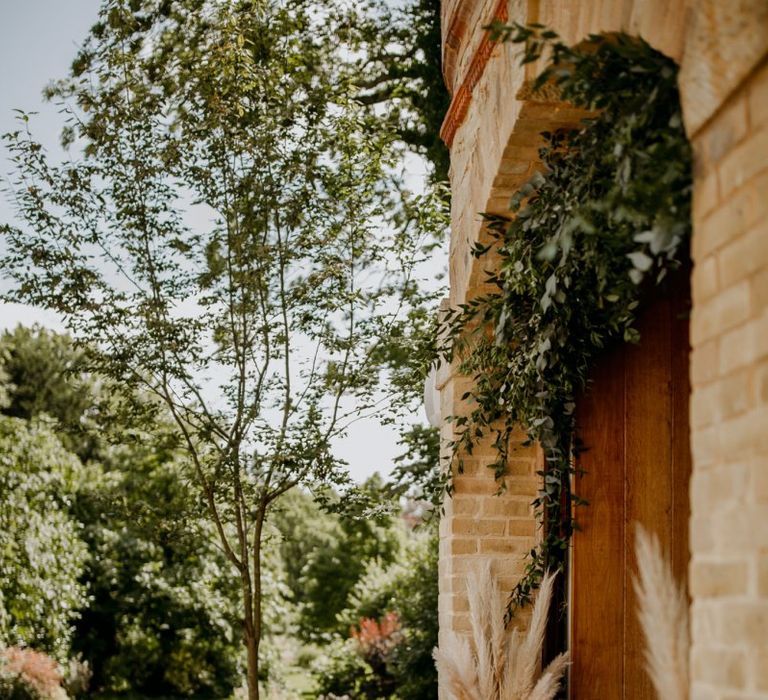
pixel 38 40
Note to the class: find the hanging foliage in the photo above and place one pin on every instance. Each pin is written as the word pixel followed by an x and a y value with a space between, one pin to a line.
pixel 604 220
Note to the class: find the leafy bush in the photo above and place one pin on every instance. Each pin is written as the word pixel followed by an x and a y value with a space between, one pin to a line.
pixel 29 675
pixel 343 672
pixel 162 619
pixel 42 556
pixel 160 614
pixel 380 658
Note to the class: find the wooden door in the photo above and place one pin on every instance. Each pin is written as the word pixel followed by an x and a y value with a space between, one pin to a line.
pixel 633 423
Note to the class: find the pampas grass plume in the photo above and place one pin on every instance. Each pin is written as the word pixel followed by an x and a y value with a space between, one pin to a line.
pixel 502 665
pixel 663 615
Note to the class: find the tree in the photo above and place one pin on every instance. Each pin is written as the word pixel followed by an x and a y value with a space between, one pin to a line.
pixel 43 375
pixel 404 591
pixel 334 568
pixel 161 613
pixel 219 243
pixel 400 73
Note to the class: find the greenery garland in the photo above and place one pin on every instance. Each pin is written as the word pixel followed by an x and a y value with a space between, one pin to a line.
pixel 602 223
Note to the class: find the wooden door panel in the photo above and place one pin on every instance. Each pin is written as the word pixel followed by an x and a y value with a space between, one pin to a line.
pixel 647 469
pixel 601 574
pixel 633 422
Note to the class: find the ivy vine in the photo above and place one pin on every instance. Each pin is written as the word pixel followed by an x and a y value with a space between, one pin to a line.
pixel 588 236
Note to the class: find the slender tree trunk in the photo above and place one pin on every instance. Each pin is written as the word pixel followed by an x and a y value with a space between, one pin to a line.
pixel 253 611
pixel 252 646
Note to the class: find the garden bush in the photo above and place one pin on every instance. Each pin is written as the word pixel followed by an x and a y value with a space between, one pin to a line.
pixel 29 675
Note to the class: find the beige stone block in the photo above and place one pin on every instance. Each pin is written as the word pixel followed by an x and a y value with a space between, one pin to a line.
pixel 724 224
pixel 737 348
pixel 701 691
pixel 705 405
pixel 740 530
pixel 745 255
pixel 724 668
pixel 744 162
pixel 705 363
pixel 758 98
pixel 463 546
pixel 505 506
pixel 761 335
pixel 521 528
pixel 718 579
pixel 744 624
pixel 724 132
pixel 706 195
pixel 704 623
pixel 705 280
pixel 736 394
pixel 742 435
pixel 762 575
pixel 700 536
pixel 504 545
pixel 724 41
pixel 759 479
pixel 759 283
pixel 473 527
pixel 705 444
pixel 466 505
pixel 760 669
pixel 522 486
pixel 459 603
pixel 729 308
pixel 461 623
pixel 521 467
pixel 467 485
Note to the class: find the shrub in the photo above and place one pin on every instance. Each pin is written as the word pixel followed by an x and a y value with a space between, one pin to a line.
pixel 29 675
pixel 42 555
pixel 392 610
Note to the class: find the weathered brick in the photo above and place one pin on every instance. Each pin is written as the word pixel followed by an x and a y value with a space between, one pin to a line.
pixel 744 162
pixel 744 623
pixel 728 309
pixel 745 255
pixel 705 362
pixel 760 669
pixel 472 526
pixel 505 506
pixel 762 574
pixel 736 394
pixel 723 133
pixel 722 667
pixel 521 528
pixel 705 195
pixel 718 579
pixel 737 348
pixel 705 409
pixel 465 505
pixel 705 280
pixel 503 545
pixel 463 546
pixel 758 98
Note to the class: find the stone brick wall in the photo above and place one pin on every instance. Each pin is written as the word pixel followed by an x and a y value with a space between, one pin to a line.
pixel 729 406
pixel 722 48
